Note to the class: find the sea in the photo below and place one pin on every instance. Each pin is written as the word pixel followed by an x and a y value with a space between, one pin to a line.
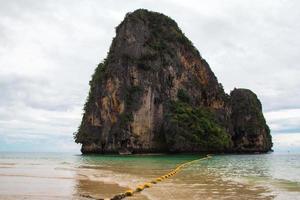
pixel 60 176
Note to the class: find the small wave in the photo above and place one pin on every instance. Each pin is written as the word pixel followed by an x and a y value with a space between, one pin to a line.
pixel 33 176
pixel 8 164
pixel 65 169
pixel 35 164
pixel 65 163
pixel 288 185
pixel 273 183
pixel 90 167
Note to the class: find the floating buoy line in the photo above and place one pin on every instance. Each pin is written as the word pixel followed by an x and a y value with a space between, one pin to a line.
pixel 142 187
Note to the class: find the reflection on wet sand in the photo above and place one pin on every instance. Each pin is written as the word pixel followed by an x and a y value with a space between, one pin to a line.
pixel 204 186
pixel 34 187
pixel 96 189
pixel 189 184
pixel 27 182
pixel 98 183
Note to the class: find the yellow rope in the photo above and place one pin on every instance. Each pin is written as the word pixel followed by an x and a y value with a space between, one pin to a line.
pixel 140 188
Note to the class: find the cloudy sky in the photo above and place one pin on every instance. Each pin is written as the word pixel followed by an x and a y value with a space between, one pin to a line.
pixel 49 49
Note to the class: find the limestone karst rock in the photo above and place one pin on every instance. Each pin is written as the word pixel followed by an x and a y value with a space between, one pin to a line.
pixel 155 93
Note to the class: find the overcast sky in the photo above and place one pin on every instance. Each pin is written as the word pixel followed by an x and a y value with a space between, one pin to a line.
pixel 49 49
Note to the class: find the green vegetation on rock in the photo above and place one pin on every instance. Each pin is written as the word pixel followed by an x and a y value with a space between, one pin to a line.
pixel 183 96
pixel 164 33
pixel 99 72
pixel 132 97
pixel 194 126
pixel 125 118
pixel 81 136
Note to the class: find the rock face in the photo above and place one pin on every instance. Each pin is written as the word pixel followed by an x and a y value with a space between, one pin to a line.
pixel 250 132
pixel 155 93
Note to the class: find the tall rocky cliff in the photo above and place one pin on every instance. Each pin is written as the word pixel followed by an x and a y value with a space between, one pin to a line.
pixel 155 93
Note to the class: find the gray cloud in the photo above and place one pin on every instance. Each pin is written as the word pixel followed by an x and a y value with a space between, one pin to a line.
pixel 49 49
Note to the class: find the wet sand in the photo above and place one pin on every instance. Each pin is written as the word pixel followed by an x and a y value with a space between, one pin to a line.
pixel 85 181
pixel 37 181
pixel 67 183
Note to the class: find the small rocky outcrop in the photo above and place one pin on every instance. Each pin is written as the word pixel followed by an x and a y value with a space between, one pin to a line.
pixel 155 93
pixel 250 131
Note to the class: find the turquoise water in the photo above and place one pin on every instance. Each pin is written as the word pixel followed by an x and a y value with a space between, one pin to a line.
pixel 69 176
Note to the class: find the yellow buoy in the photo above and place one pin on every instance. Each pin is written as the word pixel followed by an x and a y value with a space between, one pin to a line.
pixel 147 185
pixel 140 188
pixel 128 192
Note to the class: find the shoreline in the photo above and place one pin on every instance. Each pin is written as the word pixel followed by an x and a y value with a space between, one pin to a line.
pixel 177 153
